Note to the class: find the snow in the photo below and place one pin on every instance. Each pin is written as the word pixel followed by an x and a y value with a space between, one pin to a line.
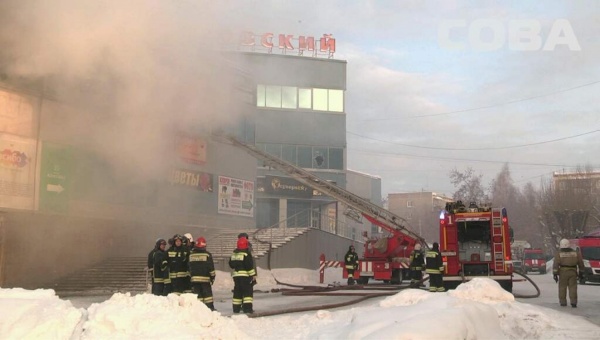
pixel 479 309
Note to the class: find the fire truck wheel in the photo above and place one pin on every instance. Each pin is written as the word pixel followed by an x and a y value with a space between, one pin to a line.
pixel 582 281
pixel 363 280
pixel 542 271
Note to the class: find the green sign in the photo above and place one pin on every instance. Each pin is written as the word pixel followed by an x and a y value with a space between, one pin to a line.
pixel 56 167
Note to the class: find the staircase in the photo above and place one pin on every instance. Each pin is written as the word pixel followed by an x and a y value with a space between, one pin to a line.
pixel 128 274
pixel 116 274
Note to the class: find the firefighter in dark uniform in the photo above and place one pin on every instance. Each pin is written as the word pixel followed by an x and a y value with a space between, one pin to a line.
pixel 435 268
pixel 417 262
pixel 567 264
pixel 202 272
pixel 244 277
pixel 351 264
pixel 188 242
pixel 160 269
pixel 178 259
pixel 250 250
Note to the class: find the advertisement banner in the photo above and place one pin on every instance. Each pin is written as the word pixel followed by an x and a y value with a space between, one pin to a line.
pixel 198 180
pixel 236 197
pixel 16 113
pixel 191 150
pixel 17 172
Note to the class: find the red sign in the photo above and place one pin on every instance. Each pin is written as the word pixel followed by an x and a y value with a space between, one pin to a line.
pixel 287 42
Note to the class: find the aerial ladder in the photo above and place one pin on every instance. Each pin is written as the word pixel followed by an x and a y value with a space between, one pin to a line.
pixel 372 212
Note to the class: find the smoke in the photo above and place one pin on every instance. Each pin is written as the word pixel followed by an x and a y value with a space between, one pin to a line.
pixel 134 72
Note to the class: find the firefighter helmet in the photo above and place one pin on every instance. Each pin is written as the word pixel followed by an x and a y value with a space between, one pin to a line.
pixel 418 246
pixel 564 243
pixel 242 243
pixel 189 237
pixel 201 242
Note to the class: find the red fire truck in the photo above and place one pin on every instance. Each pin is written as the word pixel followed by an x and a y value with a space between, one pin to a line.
pixel 589 246
pixel 475 242
pixel 534 260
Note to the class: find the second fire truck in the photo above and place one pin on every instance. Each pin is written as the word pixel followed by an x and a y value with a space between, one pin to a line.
pixel 475 242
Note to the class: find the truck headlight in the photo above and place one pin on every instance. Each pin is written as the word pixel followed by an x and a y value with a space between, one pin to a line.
pixel 586 263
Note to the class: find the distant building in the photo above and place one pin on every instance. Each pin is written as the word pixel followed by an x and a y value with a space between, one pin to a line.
pixel 421 211
pixel 368 187
pixel 579 194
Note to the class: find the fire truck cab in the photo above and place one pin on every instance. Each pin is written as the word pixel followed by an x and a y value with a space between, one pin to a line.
pixel 534 260
pixel 475 242
pixel 589 246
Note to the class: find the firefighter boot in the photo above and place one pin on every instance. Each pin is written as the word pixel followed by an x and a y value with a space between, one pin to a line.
pixel 237 308
pixel 248 308
pixel 350 280
pixel 211 306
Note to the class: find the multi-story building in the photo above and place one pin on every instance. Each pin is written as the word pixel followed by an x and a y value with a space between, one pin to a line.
pixel 578 195
pixel 421 210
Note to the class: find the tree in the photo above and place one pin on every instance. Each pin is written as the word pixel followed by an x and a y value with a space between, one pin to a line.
pixel 469 186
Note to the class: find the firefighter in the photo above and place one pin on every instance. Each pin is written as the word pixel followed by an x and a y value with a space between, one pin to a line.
pixel 202 270
pixel 435 268
pixel 178 259
pixel 188 242
pixel 160 269
pixel 351 263
pixel 417 261
pixel 567 264
pixel 244 277
pixel 250 250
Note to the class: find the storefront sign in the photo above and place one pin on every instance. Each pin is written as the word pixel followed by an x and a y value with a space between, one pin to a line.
pixel 286 186
pixel 192 179
pixel 289 43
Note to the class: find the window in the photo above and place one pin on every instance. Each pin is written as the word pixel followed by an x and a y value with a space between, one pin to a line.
pixel 305 157
pixel 336 158
pixel 289 97
pixel 336 100
pixel 305 98
pixel 274 149
pixel 260 95
pixel 320 158
pixel 409 204
pixel 273 96
pixel 320 99
pixel 288 153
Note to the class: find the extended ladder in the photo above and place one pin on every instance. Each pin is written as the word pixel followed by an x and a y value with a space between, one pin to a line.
pixel 369 210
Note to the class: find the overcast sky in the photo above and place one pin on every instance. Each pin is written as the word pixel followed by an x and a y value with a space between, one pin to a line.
pixel 405 87
pixel 415 108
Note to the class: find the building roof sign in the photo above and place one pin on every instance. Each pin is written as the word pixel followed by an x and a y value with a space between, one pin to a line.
pixel 288 43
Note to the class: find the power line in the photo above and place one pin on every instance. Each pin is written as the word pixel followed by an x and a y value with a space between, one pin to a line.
pixel 487 106
pixel 388 154
pixel 474 149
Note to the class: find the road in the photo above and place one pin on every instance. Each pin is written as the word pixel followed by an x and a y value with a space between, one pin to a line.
pixel 588 305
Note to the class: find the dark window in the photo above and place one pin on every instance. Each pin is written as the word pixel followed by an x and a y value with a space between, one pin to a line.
pixel 305 157
pixel 336 158
pixel 288 153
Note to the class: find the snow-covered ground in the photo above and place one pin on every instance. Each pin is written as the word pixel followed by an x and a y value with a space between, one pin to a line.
pixel 479 309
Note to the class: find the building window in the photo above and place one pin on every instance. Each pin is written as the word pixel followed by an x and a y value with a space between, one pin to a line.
pixel 305 157
pixel 336 101
pixel 336 158
pixel 289 97
pixel 288 153
pixel 305 99
pixel 409 215
pixel 409 204
pixel 320 158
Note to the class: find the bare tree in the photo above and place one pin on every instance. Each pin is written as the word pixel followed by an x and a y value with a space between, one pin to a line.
pixel 566 204
pixel 469 186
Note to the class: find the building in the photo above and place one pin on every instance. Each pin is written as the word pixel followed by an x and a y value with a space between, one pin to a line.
pixel 421 210
pixel 578 195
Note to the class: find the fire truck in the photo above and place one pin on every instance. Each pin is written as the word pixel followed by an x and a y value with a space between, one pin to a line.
pixel 475 242
pixel 589 246
pixel 534 260
pixel 384 258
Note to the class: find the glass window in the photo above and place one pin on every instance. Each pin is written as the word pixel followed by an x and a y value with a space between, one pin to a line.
pixel 320 158
pixel 260 95
pixel 289 97
pixel 336 100
pixel 288 153
pixel 305 98
pixel 305 156
pixel 274 149
pixel 336 158
pixel 274 96
pixel 320 99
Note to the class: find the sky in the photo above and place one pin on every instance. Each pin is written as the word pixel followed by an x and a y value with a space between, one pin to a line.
pixel 479 309
pixel 416 108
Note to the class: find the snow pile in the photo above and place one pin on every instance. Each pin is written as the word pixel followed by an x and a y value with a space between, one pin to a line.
pixel 483 290
pixel 406 298
pixel 38 314
pixel 152 317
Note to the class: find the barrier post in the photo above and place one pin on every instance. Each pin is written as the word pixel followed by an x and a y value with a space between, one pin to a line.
pixel 322 268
